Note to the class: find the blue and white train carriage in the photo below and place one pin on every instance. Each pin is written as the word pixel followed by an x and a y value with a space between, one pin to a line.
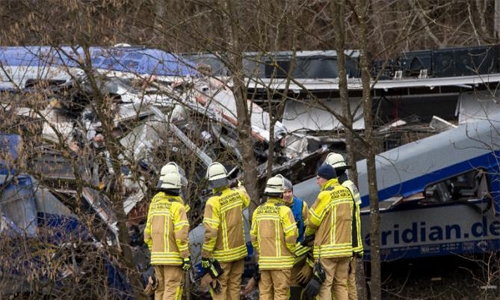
pixel 439 195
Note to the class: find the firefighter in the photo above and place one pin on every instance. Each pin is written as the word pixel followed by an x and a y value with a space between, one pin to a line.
pixel 337 161
pixel 224 243
pixel 330 221
pixel 301 269
pixel 274 235
pixel 172 167
pixel 166 235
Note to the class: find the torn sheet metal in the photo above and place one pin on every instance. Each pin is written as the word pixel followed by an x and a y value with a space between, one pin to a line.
pixel 102 208
pixel 17 202
pixel 295 145
pixel 201 155
pixel 47 203
pixel 441 125
pixel 477 105
pixel 132 200
pixel 222 102
pixel 310 116
pixel 57 125
pixel 142 140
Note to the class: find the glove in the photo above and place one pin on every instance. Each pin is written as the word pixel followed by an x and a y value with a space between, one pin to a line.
pixel 312 288
pixel 301 249
pixel 186 264
pixel 151 286
pixel 308 240
pixel 319 276
pixel 304 246
pixel 212 267
pixel 305 273
pixel 319 272
pixel 250 286
pixel 216 287
pixel 205 281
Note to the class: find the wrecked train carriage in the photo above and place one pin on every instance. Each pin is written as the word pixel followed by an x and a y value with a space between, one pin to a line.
pixel 202 117
pixel 145 71
pixel 44 245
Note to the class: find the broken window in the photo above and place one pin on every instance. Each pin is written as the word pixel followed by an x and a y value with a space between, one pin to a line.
pixel 17 203
pixel 471 185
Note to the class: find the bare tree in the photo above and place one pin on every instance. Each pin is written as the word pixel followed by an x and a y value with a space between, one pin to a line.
pixel 228 30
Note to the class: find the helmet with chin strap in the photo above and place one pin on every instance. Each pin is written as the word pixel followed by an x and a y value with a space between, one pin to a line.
pixel 336 160
pixel 171 181
pixel 172 167
pixel 275 186
pixel 217 176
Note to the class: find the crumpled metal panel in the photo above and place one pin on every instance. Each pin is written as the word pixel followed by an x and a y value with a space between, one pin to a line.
pixel 300 115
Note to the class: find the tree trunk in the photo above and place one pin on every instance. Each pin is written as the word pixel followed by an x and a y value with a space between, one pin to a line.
pixel 338 12
pixel 160 8
pixel 102 106
pixel 235 51
pixel 375 278
pixel 497 20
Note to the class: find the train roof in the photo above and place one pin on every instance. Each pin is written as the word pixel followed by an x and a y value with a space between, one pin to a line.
pixel 407 169
pixel 136 60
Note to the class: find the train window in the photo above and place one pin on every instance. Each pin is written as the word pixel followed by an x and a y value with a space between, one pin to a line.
pixel 466 186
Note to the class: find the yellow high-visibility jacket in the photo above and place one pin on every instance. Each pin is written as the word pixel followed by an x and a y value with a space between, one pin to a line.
pixel 167 230
pixel 357 243
pixel 274 235
pixel 330 219
pixel 186 206
pixel 223 222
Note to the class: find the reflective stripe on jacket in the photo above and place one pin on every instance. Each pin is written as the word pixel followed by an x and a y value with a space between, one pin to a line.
pixel 223 222
pixel 167 230
pixel 330 219
pixel 357 243
pixel 274 235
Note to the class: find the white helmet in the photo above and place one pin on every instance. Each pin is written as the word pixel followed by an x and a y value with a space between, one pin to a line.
pixel 217 176
pixel 275 185
pixel 172 167
pixel 171 181
pixel 336 160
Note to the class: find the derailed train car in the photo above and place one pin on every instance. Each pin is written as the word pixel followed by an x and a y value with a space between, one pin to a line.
pixel 44 245
pixel 438 196
pixel 159 112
